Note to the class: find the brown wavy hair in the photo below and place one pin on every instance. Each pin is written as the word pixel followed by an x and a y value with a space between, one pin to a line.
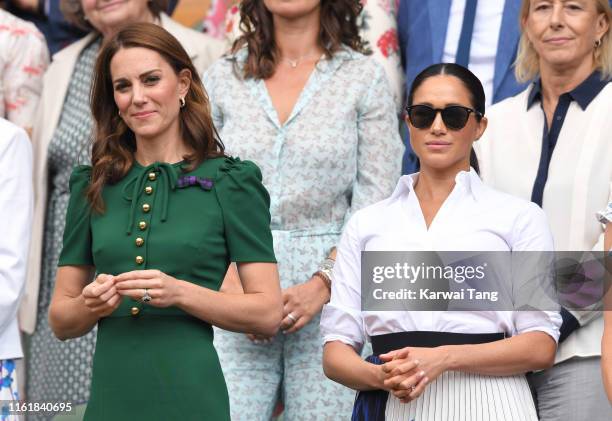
pixel 114 142
pixel 338 27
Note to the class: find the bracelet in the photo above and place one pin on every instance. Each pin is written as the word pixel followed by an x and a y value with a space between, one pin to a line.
pixel 325 271
pixel 324 278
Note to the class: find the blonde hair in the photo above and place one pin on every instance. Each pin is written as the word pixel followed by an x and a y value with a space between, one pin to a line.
pixel 527 64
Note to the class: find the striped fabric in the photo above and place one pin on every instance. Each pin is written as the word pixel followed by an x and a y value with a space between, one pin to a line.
pixel 466 396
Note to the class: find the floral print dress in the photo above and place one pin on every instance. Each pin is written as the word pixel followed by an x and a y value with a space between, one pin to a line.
pixel 338 151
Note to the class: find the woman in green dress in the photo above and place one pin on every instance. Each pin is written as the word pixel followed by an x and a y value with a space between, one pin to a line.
pixel 157 218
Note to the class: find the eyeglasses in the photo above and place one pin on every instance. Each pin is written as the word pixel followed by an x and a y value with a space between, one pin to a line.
pixel 455 117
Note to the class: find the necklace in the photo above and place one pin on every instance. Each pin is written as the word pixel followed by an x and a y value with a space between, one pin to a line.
pixel 294 62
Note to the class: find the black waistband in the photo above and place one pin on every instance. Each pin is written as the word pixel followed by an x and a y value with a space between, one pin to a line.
pixel 382 344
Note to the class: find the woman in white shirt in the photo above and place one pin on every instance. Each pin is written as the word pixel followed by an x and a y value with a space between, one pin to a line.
pixel 444 207
pixel 551 144
pixel 16 201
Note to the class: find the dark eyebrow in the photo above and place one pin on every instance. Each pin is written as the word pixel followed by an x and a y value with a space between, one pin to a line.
pixel 121 79
pixel 450 104
pixel 141 76
pixel 145 74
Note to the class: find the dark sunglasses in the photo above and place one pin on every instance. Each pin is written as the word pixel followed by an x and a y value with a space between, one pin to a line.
pixel 455 117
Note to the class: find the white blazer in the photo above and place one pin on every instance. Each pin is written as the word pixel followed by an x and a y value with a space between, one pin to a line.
pixel 579 181
pixel 16 202
pixel 202 49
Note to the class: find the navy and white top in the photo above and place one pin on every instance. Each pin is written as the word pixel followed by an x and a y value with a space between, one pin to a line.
pixel 566 167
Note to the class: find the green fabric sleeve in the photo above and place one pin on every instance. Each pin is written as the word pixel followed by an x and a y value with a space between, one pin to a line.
pixel 77 233
pixel 245 204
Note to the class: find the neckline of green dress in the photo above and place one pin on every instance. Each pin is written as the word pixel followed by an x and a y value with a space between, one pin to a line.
pixel 138 165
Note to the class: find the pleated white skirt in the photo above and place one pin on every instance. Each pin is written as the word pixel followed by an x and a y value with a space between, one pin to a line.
pixel 466 396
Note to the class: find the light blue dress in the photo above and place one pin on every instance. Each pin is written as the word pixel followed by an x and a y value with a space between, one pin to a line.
pixel 338 151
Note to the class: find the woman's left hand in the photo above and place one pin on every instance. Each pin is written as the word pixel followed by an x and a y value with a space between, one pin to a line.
pixel 163 289
pixel 302 302
pixel 431 362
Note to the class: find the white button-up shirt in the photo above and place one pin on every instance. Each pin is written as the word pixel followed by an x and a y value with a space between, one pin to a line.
pixel 16 201
pixel 474 217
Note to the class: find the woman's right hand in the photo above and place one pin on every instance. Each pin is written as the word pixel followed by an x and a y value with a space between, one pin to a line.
pixel 101 295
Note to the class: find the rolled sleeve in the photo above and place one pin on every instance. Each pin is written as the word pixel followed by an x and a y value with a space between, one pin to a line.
pixel 543 321
pixel 532 234
pixel 341 319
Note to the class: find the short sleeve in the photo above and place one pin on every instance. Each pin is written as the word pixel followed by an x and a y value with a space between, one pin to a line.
pixel 245 204
pixel 77 234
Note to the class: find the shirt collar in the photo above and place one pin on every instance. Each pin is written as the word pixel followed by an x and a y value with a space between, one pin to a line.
pixel 469 181
pixel 583 94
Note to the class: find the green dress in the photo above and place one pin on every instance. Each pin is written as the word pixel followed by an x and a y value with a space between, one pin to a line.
pixel 159 363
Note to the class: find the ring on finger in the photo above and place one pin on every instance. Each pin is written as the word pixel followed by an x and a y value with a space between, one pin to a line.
pixel 146 297
pixel 292 317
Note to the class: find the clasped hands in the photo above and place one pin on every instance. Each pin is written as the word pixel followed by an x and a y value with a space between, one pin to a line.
pixel 406 372
pixel 103 295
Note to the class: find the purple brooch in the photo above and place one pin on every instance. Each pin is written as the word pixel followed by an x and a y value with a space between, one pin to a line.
pixel 192 180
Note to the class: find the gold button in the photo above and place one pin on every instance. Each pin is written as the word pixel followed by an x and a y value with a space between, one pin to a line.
pixel 146 208
pixel 135 311
pixel 148 190
pixel 152 176
pixel 142 225
pixel 139 242
pixel 139 260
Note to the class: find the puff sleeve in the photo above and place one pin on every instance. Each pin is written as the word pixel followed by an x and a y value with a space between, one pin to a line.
pixel 245 204
pixel 77 234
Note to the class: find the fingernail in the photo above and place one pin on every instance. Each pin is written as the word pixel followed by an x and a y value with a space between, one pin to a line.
pixel 417 362
pixel 256 341
pixel 421 373
pixel 426 379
